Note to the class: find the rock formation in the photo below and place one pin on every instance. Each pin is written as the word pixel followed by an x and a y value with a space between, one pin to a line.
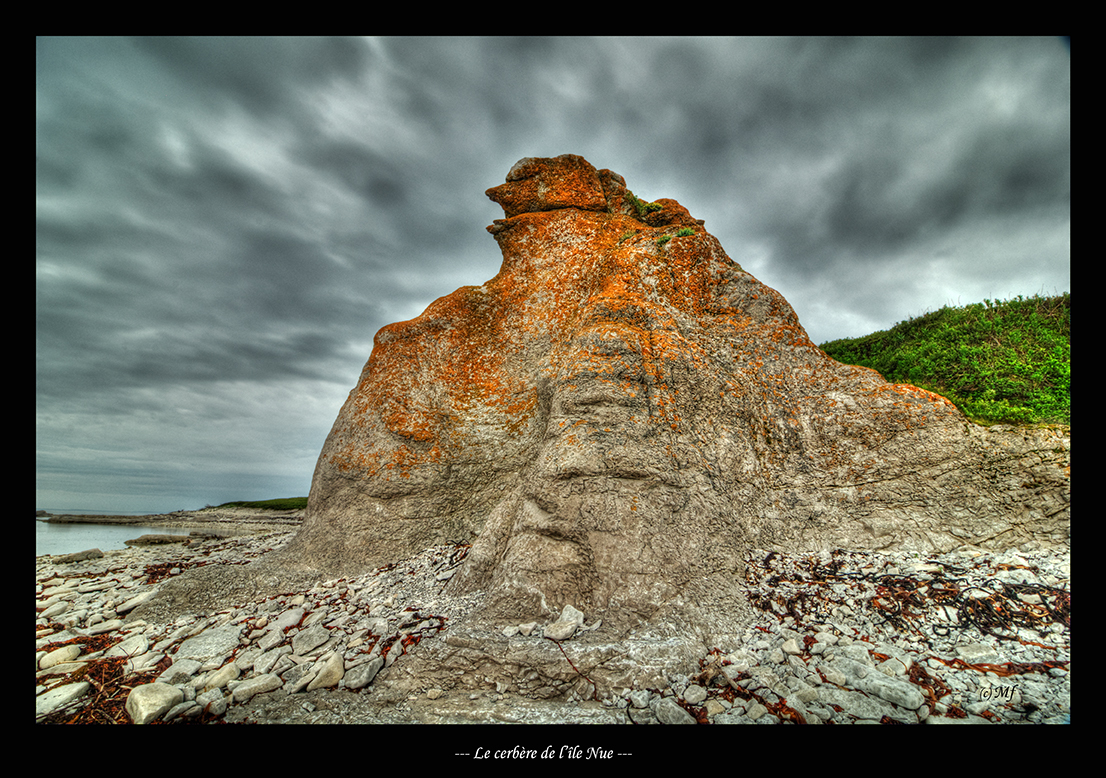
pixel 623 410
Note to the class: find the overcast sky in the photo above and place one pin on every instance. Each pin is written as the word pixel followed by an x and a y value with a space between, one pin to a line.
pixel 222 225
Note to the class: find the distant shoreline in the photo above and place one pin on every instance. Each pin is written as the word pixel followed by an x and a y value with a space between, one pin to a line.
pixel 235 519
pixel 104 518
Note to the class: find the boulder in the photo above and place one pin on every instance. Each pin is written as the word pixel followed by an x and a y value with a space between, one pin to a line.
pixel 613 423
pixel 332 670
pixel 211 643
pixel 151 701
pixel 623 411
pixel 251 687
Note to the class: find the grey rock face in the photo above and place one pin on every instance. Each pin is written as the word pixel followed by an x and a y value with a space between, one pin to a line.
pixel 621 411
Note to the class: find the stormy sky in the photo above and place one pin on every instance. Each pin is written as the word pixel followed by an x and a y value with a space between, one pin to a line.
pixel 222 225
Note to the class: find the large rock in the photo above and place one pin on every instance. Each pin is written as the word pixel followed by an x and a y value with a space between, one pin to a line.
pixel 622 411
pixel 152 701
pixel 211 643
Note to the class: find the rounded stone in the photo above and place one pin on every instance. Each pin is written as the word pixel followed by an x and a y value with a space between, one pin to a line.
pixel 695 694
pixel 152 701
pixel 254 686
pixel 668 711
pixel 222 676
pixel 332 671
pixel 56 609
pixel 60 655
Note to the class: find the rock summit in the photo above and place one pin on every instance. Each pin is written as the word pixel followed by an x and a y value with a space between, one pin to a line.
pixel 614 418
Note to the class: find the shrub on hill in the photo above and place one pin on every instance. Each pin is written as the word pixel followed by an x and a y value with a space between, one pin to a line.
pixel 284 504
pixel 999 362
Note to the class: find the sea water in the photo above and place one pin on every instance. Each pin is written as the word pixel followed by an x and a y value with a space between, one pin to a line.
pixel 70 538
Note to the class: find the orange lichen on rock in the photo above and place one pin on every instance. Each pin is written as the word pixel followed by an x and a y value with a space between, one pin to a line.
pixel 534 185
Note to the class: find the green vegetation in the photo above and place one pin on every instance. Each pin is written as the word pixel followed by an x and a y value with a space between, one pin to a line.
pixel 640 205
pixel 285 504
pixel 999 362
pixel 683 232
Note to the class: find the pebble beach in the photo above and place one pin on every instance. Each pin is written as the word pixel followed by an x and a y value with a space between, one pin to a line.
pixel 968 637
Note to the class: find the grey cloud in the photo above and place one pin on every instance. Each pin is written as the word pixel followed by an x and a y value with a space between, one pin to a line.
pixel 261 74
pixel 227 222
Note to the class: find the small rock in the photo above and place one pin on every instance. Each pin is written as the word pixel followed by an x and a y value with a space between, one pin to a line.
pixel 668 711
pixel 976 653
pixel 135 601
pixel 694 694
pixel 565 626
pixel 290 618
pixel 300 677
pixel 755 711
pixel 901 693
pixel 333 670
pixel 106 626
pixel 179 672
pixel 363 674
pixel 56 609
pixel 309 639
pixel 211 643
pixel 254 686
pixel 60 655
pixel 222 676
pixel 183 709
pixel 213 702
pixel 132 646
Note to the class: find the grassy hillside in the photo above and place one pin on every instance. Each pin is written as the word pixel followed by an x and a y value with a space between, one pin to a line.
pixel 1006 362
pixel 285 504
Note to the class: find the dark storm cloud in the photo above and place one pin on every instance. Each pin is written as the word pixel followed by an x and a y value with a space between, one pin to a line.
pixel 380 181
pixel 222 224
pixel 263 75
pixel 867 154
